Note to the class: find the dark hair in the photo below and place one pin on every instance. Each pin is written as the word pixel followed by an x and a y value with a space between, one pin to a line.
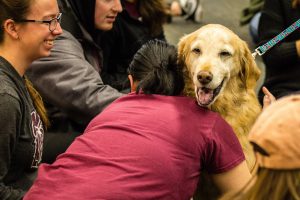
pixel 154 15
pixel 155 67
pixel 38 103
pixel 13 9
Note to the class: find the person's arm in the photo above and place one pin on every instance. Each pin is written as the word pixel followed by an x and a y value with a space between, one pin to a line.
pixel 234 179
pixel 276 16
pixel 225 160
pixel 10 116
pixel 68 81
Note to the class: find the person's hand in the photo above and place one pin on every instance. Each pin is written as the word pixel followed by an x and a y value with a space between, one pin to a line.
pixel 298 47
pixel 268 98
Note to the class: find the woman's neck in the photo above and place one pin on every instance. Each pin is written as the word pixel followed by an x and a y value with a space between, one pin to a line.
pixel 15 58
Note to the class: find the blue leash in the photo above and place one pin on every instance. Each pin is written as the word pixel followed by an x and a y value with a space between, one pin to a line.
pixel 267 46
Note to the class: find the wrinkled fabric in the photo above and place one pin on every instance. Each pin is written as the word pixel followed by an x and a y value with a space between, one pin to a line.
pixel 141 147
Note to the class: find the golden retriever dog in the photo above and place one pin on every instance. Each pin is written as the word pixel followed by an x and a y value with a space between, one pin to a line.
pixel 221 74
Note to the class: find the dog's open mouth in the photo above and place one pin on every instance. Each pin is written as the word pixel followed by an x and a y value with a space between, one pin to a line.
pixel 206 96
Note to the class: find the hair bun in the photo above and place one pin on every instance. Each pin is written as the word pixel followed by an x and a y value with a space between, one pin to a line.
pixel 164 64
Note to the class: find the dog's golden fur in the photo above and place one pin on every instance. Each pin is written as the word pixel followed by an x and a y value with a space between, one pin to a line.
pixel 221 73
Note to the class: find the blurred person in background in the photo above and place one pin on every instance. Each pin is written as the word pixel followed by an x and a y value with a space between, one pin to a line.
pixel 189 9
pixel 251 15
pixel 283 60
pixel 139 22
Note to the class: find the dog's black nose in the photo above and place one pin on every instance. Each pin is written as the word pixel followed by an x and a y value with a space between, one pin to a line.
pixel 204 77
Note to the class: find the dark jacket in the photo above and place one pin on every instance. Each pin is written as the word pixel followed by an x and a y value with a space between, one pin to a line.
pixel 119 46
pixel 282 62
pixel 21 135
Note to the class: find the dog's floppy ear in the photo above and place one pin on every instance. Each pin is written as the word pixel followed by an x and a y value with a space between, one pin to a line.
pixel 182 50
pixel 249 73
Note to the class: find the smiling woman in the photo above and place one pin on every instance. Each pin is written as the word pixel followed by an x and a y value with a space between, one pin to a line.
pixel 69 79
pixel 23 116
pixel 41 42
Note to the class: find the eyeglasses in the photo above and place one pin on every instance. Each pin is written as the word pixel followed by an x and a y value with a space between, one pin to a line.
pixel 52 22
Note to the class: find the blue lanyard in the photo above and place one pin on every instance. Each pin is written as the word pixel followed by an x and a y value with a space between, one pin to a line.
pixel 267 46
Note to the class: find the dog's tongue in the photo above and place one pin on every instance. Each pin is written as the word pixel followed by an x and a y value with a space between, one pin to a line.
pixel 205 96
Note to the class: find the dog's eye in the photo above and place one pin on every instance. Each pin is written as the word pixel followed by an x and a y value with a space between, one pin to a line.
pixel 225 54
pixel 196 51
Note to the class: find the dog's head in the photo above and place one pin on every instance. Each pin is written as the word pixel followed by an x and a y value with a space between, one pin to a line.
pixel 215 59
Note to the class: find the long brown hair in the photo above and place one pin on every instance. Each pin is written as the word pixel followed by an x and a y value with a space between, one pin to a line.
pixel 38 103
pixel 153 13
pixel 270 184
pixel 13 9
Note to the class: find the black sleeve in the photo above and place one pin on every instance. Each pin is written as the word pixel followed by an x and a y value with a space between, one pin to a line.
pixel 276 17
pixel 9 118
